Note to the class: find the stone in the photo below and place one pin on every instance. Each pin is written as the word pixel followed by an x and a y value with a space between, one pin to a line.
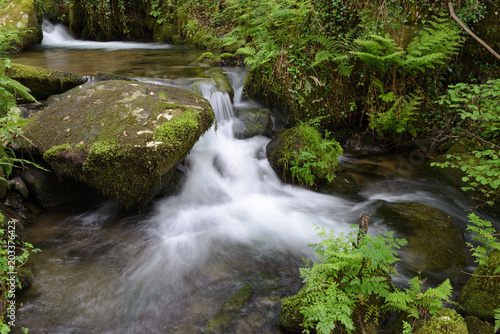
pixel 44 83
pixel 18 185
pixel 434 241
pixel 446 321
pixel 121 138
pixel 480 297
pixel 25 17
pixel 253 122
pixel 13 200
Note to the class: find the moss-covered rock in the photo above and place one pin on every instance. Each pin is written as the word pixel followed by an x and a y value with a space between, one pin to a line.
pixel 102 76
pixel 25 17
pixel 476 326
pixel 231 310
pixel 207 59
pixel 25 276
pixel 481 295
pixel 216 81
pixel 122 138
pixel 51 9
pixel 44 83
pixel 290 317
pixel 253 122
pixel 446 321
pixel 434 241
pixel 343 184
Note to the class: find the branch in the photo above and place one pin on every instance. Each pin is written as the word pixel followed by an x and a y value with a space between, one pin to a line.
pixel 489 276
pixel 456 18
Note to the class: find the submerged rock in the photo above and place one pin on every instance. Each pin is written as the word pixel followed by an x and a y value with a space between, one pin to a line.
pixel 434 241
pixel 480 297
pixel 122 138
pixel 231 310
pixel 44 83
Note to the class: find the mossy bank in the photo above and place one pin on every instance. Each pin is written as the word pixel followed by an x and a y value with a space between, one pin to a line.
pixel 122 138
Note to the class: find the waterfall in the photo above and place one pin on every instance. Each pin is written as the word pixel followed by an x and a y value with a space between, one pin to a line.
pixel 57 36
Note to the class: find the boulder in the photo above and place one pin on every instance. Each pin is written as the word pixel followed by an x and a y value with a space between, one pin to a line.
pixel 24 17
pixel 44 83
pixel 434 241
pixel 122 138
pixel 480 297
pixel 476 326
pixel 102 76
pixel 253 122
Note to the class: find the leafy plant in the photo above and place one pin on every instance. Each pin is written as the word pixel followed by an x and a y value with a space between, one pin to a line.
pixel 487 237
pixel 477 108
pixel 315 158
pixel 417 303
pixel 348 272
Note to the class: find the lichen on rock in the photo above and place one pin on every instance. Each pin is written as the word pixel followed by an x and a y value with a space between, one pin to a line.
pixel 122 138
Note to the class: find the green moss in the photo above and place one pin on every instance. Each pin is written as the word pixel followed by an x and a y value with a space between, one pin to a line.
pixel 476 326
pixel 238 300
pixel 178 130
pixel 53 153
pixel 447 321
pixel 290 316
pixel 481 295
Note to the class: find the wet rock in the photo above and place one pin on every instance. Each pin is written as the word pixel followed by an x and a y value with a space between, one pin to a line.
pixel 217 77
pixel 44 83
pixel 230 311
pixel 253 122
pixel 480 297
pixel 344 184
pixel 24 17
pixel 102 76
pixel 18 185
pixel 25 276
pixel 49 190
pixel 13 200
pixel 434 241
pixel 122 138
pixel 446 321
pixel 476 326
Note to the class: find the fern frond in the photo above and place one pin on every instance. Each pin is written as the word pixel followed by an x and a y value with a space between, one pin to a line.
pixel 15 88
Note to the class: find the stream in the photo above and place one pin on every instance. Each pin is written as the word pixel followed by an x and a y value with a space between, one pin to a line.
pixel 170 267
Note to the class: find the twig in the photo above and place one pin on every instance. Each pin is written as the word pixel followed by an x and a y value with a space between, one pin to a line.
pixel 488 276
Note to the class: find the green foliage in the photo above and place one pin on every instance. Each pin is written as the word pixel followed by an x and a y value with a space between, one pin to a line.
pixel 418 303
pixel 487 237
pixel 476 109
pixel 497 320
pixel 348 272
pixel 13 255
pixel 315 158
pixel 399 118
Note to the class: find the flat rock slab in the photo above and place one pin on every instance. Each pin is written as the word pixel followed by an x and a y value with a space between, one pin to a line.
pixel 122 138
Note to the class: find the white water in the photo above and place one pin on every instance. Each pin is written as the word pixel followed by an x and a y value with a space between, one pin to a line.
pixel 57 36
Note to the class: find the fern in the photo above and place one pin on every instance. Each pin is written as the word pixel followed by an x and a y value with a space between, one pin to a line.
pixel 380 52
pixel 337 51
pixel 432 46
pixel 417 303
pixel 347 273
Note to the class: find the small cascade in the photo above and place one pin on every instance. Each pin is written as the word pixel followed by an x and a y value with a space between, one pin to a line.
pixel 220 101
pixel 57 36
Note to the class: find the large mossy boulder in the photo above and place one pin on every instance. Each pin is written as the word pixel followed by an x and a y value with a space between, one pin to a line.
pixel 44 83
pixel 480 297
pixel 122 138
pixel 434 240
pixel 25 17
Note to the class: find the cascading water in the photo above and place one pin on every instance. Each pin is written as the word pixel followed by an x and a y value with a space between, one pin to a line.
pixel 170 268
